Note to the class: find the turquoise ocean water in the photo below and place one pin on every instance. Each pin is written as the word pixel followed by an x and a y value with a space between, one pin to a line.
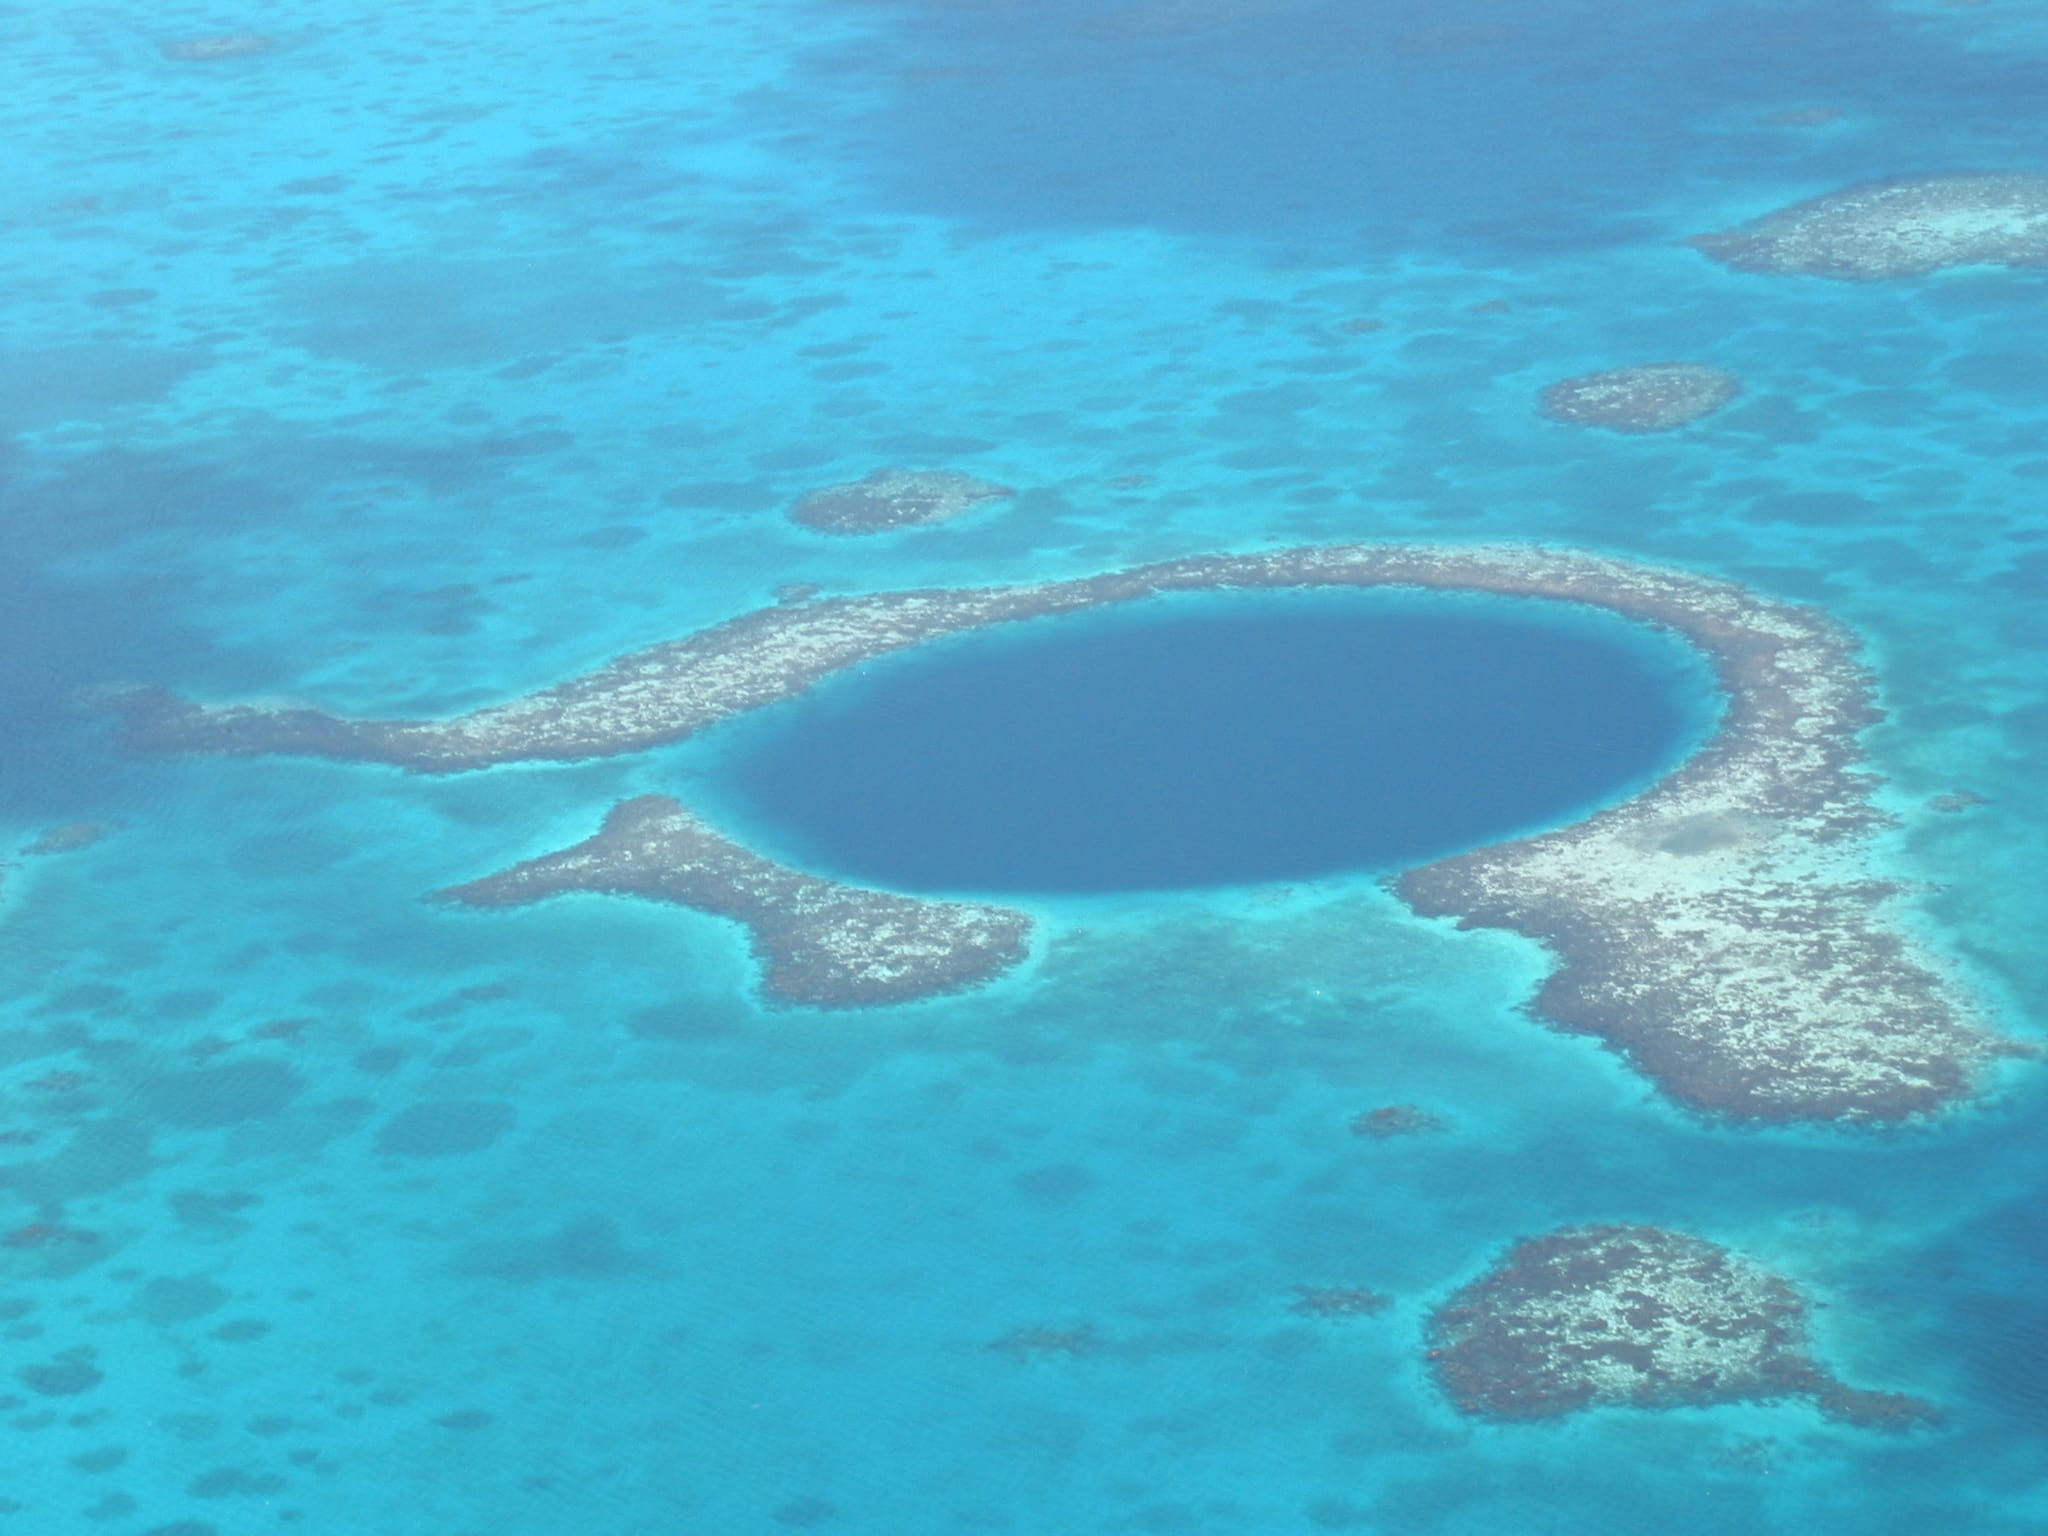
pixel 448 349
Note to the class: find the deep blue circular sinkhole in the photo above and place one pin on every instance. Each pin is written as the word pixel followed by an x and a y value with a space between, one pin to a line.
pixel 1210 740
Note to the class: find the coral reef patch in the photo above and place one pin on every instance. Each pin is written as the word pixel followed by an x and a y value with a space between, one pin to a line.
pixel 1724 929
pixel 1338 1301
pixel 1386 1122
pixel 1653 397
pixel 1903 228
pixel 894 498
pixel 72 837
pixel 226 45
pixel 1641 1317
pixel 820 943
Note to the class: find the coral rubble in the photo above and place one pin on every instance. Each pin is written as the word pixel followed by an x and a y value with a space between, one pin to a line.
pixel 821 944
pixel 1641 1317
pixel 1723 929
pixel 1904 228
pixel 1653 397
pixel 894 498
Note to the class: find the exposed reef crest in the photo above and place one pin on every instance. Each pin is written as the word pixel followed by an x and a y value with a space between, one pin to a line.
pixel 1721 929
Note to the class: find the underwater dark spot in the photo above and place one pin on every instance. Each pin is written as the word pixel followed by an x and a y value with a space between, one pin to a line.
pixel 1054 1185
pixel 101 1155
pixel 379 1060
pixel 88 997
pixel 587 1248
pixel 243 1330
pixel 112 1507
pixel 447 1128
pixel 458 1002
pixel 104 1459
pixel 679 1024
pixel 183 1528
pixel 464 1419
pixel 803 1512
pixel 66 1376
pixel 722 495
pixel 179 1299
pixel 197 1208
pixel 184 1006
pixel 235 1483
pixel 1337 1515
pixel 213 1097
pixel 269 1425
pixel 1811 509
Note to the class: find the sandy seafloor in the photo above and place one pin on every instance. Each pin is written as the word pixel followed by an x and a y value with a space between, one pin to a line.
pixel 448 349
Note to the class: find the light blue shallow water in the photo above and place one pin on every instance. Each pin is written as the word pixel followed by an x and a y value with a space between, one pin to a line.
pixel 448 349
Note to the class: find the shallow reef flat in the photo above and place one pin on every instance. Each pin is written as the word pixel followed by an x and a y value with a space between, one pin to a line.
pixel 1903 228
pixel 820 944
pixel 1722 929
pixel 1637 1316
pixel 1651 397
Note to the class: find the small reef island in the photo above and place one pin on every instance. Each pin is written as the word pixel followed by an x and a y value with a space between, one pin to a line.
pixel 1642 1317
pixel 894 498
pixel 1889 229
pixel 1723 930
pixel 1653 397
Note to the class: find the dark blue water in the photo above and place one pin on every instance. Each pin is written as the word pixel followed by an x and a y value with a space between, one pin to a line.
pixel 1218 741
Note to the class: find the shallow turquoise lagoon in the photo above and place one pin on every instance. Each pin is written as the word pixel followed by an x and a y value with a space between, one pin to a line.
pixel 442 351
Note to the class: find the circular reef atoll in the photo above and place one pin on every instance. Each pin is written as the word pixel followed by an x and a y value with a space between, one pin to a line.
pixel 1640 1317
pixel 1904 228
pixel 1723 930
pixel 894 498
pixel 1654 397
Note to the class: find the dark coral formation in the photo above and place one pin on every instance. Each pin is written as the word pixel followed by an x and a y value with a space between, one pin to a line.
pixel 1723 928
pixel 1040 1342
pixel 894 498
pixel 821 944
pixel 1179 18
pixel 1904 228
pixel 1955 801
pixel 70 838
pixel 227 45
pixel 1641 1317
pixel 1336 1301
pixel 1388 1121
pixel 1653 397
